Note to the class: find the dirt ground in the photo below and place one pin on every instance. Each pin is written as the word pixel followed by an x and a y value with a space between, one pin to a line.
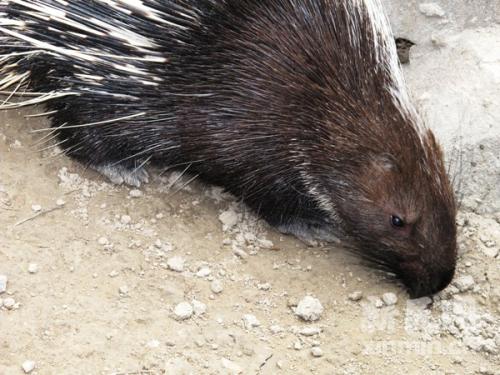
pixel 96 272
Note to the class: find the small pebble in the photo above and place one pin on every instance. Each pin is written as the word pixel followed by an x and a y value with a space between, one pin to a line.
pixel 28 366
pixel 60 202
pixel 240 253
pixel 183 311
pixel 199 308
pixel 431 10
pixel 203 272
pixel 9 303
pixel 125 219
pixel 276 329
pixel 36 208
pixel 102 241
pixel 356 296
pixel 464 283
pixel 32 268
pixel 297 345
pixel 176 264
pixel 266 244
pixel 250 321
pixel 228 219
pixel 123 290
pixel 389 299
pixel 310 331
pixel 3 283
pixel 135 193
pixel 309 309
pixel 216 286
pixel 317 352
pixel 376 301
pixel 113 273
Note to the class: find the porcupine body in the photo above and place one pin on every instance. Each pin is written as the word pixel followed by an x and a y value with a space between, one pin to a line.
pixel 298 107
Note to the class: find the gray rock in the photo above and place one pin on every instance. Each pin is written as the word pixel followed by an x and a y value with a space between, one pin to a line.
pixel 176 264
pixel 431 10
pixel 216 286
pixel 464 283
pixel 317 352
pixel 389 299
pixel 183 311
pixel 250 321
pixel 28 366
pixel 309 309
pixel 356 296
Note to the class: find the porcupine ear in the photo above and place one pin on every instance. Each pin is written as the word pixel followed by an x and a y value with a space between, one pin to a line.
pixel 384 162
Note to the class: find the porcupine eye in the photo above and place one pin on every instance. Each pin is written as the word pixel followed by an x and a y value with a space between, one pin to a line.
pixel 397 222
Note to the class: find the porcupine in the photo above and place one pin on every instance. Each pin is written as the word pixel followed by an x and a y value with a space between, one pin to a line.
pixel 297 107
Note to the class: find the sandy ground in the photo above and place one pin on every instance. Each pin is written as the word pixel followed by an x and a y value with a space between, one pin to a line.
pixel 95 275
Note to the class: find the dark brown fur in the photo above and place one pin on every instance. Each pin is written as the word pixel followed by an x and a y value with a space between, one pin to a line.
pixel 295 106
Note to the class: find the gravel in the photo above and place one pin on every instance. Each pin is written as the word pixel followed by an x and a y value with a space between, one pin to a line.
pixel 33 268
pixel 204 271
pixel 199 308
pixel 9 303
pixel 216 286
pixel 229 219
pixel 275 329
pixel 389 299
pixel 310 331
pixel 431 10
pixel 183 311
pixel 356 296
pixel 28 366
pixel 309 309
pixel 250 321
pixel 464 283
pixel 376 301
pixel 317 352
pixel 135 193
pixel 125 219
pixel 103 241
pixel 176 264
pixel 265 244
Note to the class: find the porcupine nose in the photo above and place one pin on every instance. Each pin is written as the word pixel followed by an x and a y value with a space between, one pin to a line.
pixel 435 283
